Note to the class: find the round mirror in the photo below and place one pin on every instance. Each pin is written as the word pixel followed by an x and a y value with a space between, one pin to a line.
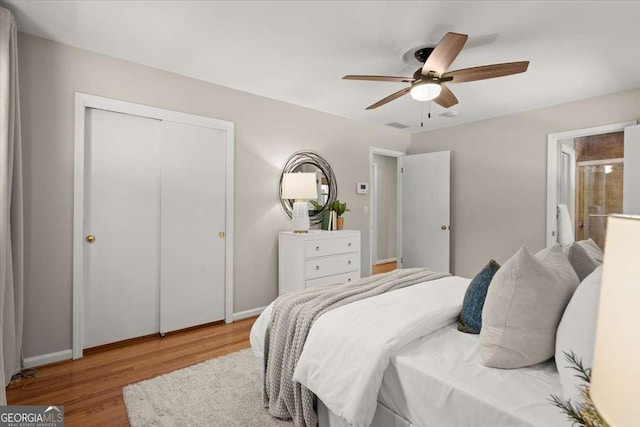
pixel 310 162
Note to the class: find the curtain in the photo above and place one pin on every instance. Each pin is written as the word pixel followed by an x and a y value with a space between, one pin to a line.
pixel 11 227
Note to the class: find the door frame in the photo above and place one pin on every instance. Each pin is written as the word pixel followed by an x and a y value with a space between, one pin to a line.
pixel 572 178
pixel 553 141
pixel 84 101
pixel 373 204
pixel 374 214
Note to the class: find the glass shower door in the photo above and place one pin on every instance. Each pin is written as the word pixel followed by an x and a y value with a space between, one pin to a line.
pixel 599 193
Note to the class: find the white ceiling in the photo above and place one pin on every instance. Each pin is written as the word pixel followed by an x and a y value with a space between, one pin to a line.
pixel 297 51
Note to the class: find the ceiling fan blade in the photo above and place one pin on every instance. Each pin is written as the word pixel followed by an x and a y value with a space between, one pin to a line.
pixel 486 72
pixel 444 53
pixel 389 98
pixel 380 78
pixel 446 98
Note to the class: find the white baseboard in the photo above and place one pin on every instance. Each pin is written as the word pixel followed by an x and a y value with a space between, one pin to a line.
pixel 384 261
pixel 248 313
pixel 43 359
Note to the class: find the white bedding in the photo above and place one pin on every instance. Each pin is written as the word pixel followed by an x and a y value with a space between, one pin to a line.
pixel 439 381
pixel 348 349
pixel 432 375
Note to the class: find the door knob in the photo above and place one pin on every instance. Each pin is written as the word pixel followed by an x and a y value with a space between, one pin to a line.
pixel 221 234
pixel 91 238
pixel 444 227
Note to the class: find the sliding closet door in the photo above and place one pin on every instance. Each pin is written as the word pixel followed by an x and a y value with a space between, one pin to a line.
pixel 121 223
pixel 192 278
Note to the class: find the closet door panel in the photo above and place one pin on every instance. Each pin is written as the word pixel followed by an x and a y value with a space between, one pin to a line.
pixel 192 272
pixel 122 213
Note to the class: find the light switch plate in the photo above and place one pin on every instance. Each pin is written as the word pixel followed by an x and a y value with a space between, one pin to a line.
pixel 362 188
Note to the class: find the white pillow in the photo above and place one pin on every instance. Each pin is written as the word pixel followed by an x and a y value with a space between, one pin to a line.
pixel 577 332
pixel 593 250
pixel 524 304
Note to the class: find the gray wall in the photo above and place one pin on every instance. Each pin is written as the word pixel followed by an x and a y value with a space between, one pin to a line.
pixel 387 208
pixel 267 132
pixel 498 174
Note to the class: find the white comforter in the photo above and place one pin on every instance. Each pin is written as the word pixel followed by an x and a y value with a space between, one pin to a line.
pixel 349 348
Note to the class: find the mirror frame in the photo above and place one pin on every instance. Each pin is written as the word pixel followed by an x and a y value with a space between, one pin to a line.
pixel 293 162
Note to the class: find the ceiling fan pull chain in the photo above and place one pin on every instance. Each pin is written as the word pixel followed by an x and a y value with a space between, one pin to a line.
pixel 422 114
pixel 429 116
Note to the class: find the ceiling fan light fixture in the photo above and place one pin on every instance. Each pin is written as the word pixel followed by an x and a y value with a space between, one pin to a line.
pixel 425 91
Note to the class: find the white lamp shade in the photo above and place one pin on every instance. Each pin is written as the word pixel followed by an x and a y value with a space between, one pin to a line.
pixel 299 186
pixel 615 382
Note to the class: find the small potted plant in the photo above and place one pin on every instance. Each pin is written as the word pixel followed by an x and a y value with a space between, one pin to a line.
pixel 317 207
pixel 340 208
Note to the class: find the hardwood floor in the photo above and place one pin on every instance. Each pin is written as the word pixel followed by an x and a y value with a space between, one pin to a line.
pixel 383 268
pixel 91 388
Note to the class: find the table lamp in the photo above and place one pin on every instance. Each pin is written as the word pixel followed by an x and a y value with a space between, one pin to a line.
pixel 615 380
pixel 300 187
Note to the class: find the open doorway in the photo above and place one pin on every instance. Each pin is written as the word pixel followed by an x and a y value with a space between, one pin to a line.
pixel 587 178
pixel 384 209
pixel 422 211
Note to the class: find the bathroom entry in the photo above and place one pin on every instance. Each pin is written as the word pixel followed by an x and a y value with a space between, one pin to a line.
pixel 591 184
pixel 594 172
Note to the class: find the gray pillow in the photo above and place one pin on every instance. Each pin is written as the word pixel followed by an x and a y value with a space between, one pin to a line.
pixel 593 250
pixel 525 302
pixel 580 260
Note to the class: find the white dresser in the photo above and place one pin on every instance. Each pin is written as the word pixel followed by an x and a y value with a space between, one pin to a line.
pixel 317 258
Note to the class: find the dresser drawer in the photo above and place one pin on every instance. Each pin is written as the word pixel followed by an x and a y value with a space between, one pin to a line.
pixel 333 280
pixel 315 248
pixel 331 265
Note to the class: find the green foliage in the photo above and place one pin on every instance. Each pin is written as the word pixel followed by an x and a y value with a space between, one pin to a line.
pixel 317 206
pixel 583 414
pixel 339 207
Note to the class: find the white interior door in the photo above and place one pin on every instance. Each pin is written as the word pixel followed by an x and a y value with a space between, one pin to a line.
pixel 425 210
pixel 122 200
pixel 192 278
pixel 631 191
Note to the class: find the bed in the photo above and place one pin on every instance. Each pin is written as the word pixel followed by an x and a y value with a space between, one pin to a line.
pixel 432 375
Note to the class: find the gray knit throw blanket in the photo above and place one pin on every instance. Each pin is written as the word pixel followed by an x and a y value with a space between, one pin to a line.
pixel 291 320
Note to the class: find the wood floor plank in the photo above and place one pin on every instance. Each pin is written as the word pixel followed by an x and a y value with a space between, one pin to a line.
pixel 383 268
pixel 91 388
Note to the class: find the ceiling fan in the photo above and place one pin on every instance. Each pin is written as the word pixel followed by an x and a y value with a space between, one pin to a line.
pixel 427 82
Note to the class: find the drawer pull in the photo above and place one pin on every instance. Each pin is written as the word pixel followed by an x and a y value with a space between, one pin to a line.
pixel 317 267
pixel 349 262
pixel 348 280
pixel 349 245
pixel 317 248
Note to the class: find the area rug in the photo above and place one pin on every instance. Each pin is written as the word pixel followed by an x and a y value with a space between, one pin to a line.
pixel 225 391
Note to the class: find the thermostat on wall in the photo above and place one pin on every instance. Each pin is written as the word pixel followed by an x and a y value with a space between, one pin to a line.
pixel 362 188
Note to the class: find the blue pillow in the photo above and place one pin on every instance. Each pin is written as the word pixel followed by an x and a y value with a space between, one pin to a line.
pixel 470 319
